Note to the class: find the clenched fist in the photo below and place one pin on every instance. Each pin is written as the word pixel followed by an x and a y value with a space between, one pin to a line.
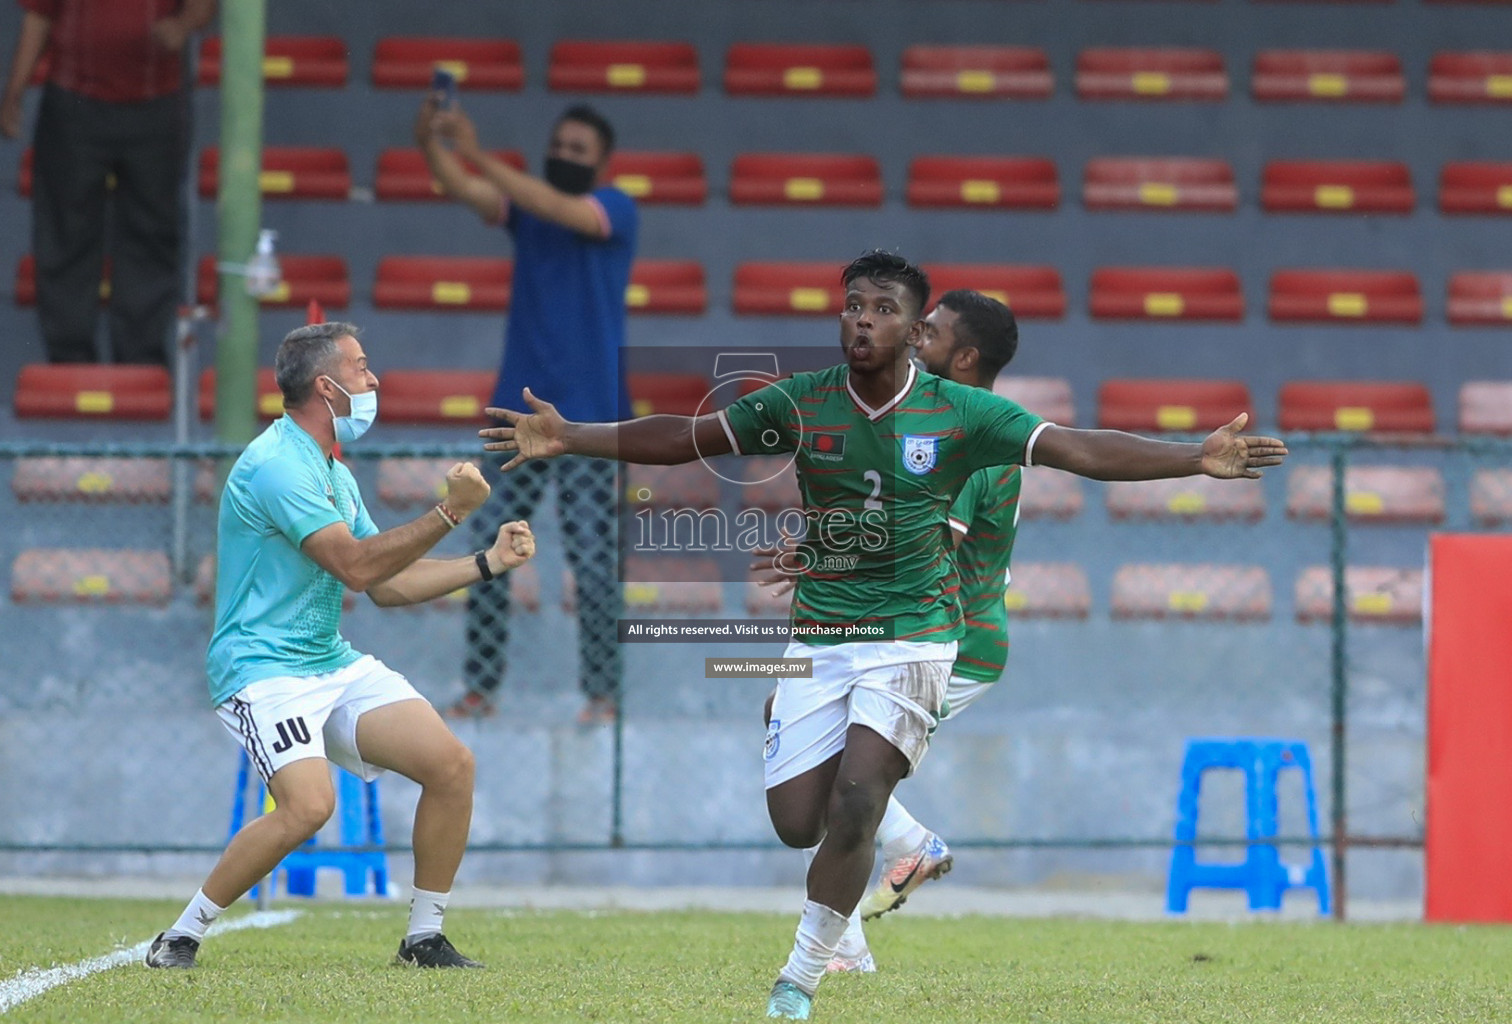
pixel 514 546
pixel 466 490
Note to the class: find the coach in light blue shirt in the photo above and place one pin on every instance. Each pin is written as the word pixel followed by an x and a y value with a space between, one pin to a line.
pixel 574 242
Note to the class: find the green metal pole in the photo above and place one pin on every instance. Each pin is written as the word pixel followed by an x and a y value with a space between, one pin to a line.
pixel 239 213
pixel 1339 680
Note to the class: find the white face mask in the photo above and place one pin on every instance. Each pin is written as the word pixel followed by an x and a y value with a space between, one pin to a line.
pixel 364 412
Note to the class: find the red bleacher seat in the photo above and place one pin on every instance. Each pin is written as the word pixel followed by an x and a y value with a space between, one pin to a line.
pixel 317 61
pixel 436 396
pixel 1481 297
pixel 26 281
pixel 690 485
pixel 93 391
pixel 1193 497
pixel 660 177
pixel 1373 593
pixel 1476 188
pixel 1174 405
pixel 670 394
pixel 1166 293
pixel 288 172
pixel 1473 77
pixel 24 174
pixel 976 72
pixel 806 179
pixel 770 483
pixel 1050 494
pixel 783 69
pixel 1165 183
pixel 1372 494
pixel 1049 590
pixel 1386 406
pixel 404 175
pixel 1193 591
pixel 667 584
pixel 1348 76
pixel 1033 293
pixel 1345 296
pixel 1485 407
pixel 91 576
pixel 1005 182
pixel 1047 397
pixel 1491 497
pixel 1337 186
pixel 578 65
pixel 786 289
pixel 407 62
pixel 305 278
pixel 666 286
pixel 269 398
pixel 443 283
pixel 1109 73
pixel 412 481
pixel 134 481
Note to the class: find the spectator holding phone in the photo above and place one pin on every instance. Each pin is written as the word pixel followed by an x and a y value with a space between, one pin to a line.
pixel 574 240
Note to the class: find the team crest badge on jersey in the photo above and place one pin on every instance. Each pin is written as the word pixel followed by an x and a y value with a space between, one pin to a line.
pixel 919 453
pixel 773 739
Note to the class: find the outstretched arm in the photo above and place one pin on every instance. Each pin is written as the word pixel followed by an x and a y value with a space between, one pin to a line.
pixel 1115 455
pixel 648 441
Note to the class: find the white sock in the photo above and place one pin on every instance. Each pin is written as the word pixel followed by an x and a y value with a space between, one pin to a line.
pixel 819 931
pixel 426 911
pixel 899 833
pixel 852 945
pixel 197 917
pixel 853 942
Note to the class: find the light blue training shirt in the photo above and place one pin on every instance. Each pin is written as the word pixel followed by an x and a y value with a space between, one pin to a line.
pixel 277 613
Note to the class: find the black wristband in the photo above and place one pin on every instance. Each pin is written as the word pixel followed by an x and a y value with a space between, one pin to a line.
pixel 481 558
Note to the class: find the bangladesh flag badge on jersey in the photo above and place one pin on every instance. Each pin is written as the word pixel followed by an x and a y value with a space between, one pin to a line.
pixel 828 447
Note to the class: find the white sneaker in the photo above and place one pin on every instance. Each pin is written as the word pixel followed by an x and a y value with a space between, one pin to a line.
pixel 863 964
pixel 902 876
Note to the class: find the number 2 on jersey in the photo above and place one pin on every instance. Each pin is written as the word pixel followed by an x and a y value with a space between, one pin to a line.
pixel 874 478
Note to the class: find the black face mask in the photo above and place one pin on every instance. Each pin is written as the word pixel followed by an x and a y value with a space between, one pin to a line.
pixel 573 178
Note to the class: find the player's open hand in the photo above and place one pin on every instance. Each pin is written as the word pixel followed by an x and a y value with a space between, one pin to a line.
pixel 466 490
pixel 541 434
pixel 1228 454
pixel 777 568
pixel 514 546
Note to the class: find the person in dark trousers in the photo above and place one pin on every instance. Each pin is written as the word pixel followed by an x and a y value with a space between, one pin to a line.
pixel 112 111
pixel 574 240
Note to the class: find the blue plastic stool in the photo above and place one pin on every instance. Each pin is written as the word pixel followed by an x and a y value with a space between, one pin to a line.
pixel 1261 874
pixel 357 807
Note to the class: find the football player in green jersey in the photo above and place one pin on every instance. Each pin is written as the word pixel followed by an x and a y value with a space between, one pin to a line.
pixel 882 451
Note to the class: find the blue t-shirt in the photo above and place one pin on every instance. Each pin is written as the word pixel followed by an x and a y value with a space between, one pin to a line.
pixel 278 613
pixel 567 312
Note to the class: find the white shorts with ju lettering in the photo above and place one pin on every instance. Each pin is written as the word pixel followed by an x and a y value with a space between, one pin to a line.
pixel 288 718
pixel 894 688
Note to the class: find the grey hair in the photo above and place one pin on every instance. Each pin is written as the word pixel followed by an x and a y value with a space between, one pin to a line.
pixel 305 354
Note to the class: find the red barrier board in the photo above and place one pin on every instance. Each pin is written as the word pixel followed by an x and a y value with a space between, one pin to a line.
pixel 1469 832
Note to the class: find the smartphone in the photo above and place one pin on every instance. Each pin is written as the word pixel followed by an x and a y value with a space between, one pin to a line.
pixel 444 85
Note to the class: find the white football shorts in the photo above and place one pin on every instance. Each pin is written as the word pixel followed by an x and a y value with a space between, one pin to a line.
pixel 893 688
pixel 288 718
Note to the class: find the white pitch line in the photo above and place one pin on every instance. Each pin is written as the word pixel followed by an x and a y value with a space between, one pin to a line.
pixel 33 982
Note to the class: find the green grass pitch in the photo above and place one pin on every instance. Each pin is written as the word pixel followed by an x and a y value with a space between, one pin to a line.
pixel 332 964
